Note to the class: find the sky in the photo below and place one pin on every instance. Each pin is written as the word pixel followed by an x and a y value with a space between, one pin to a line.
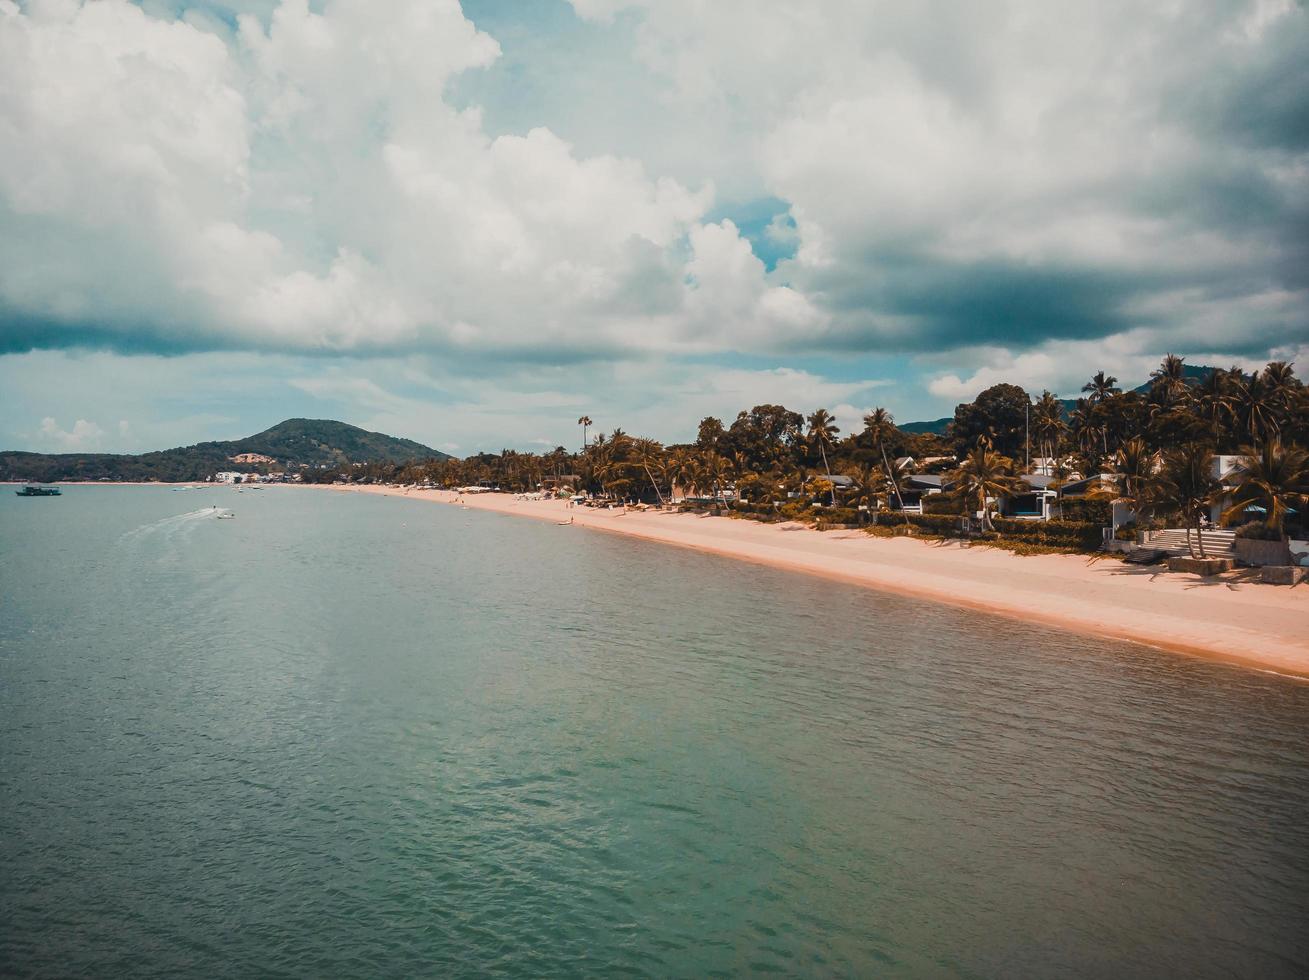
pixel 471 224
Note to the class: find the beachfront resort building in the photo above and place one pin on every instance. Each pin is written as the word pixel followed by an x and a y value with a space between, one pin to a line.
pixel 913 488
pixel 1035 500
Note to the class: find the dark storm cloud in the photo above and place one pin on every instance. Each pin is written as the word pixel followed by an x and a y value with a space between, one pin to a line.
pixel 928 305
pixel 1260 101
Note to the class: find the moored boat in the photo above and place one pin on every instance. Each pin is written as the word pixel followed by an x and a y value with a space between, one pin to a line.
pixel 34 491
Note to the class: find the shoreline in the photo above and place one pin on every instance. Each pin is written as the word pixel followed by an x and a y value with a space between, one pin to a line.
pixel 1246 623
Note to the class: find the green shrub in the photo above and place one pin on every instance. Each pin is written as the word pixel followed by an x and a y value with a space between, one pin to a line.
pixel 1258 531
pixel 796 510
pixel 942 503
pixel 838 515
pixel 1067 534
pixel 1087 510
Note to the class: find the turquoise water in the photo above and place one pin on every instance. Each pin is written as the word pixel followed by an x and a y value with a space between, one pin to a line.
pixel 345 735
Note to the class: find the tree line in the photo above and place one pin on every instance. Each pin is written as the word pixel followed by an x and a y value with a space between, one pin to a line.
pixel 1158 444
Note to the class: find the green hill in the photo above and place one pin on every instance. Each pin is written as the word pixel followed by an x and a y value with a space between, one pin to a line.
pixel 936 426
pixel 293 443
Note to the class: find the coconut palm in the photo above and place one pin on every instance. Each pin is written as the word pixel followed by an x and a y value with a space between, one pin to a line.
pixel 585 422
pixel 678 469
pixel 1184 484
pixel 650 456
pixel 1086 426
pixel 822 433
pixel 1134 464
pixel 879 425
pixel 1281 380
pixel 1100 387
pixel 1062 475
pixel 717 472
pixel 1215 402
pixel 1273 477
pixel 983 475
pixel 1048 423
pixel 1256 405
pixel 870 486
pixel 1168 381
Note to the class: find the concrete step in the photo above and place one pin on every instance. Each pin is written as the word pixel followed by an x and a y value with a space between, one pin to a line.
pixel 1217 544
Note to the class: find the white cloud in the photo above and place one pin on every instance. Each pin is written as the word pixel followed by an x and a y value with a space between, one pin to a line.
pixel 1026 370
pixel 922 148
pixel 307 186
pixel 83 435
pixel 994 190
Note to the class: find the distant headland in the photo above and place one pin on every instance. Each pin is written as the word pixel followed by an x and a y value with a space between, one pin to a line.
pixel 288 446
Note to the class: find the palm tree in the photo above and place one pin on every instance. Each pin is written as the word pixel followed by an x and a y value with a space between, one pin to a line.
pixel 679 469
pixel 717 471
pixel 1063 475
pixel 600 461
pixel 1048 422
pixel 1135 465
pixel 585 422
pixel 822 433
pixel 879 425
pixel 649 453
pixel 1256 405
pixel 1185 485
pixel 1273 477
pixel 1215 401
pixel 1168 381
pixel 1087 426
pixel 870 486
pixel 1100 387
pixel 1281 380
pixel 983 475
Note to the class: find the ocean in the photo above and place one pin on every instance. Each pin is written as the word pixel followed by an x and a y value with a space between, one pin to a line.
pixel 359 736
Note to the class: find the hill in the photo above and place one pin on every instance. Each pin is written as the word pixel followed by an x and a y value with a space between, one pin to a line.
pixel 936 426
pixel 1194 373
pixel 290 444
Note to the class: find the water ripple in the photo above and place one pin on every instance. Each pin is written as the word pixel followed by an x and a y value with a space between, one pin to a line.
pixel 347 736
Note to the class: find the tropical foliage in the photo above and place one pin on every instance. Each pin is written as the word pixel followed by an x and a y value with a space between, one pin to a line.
pixel 1153 447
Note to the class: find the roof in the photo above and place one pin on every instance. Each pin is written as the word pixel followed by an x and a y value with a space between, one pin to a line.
pixel 1037 481
pixel 838 480
pixel 1081 485
pixel 924 481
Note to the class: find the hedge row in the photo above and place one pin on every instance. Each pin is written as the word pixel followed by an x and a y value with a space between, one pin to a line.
pixel 1083 535
pixel 1071 534
pixel 1065 534
pixel 1087 510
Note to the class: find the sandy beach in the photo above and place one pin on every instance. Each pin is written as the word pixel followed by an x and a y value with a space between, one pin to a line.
pixel 1244 622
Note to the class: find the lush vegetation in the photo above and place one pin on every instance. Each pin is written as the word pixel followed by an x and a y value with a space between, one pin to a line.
pixel 291 444
pixel 1154 446
pixel 1156 441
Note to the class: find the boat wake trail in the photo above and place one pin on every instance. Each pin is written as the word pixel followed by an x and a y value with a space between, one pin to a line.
pixel 169 527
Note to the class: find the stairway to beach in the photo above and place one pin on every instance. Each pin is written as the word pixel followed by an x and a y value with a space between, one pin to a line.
pixel 1217 544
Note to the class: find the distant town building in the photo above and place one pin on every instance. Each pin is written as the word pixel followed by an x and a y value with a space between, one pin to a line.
pixel 251 458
